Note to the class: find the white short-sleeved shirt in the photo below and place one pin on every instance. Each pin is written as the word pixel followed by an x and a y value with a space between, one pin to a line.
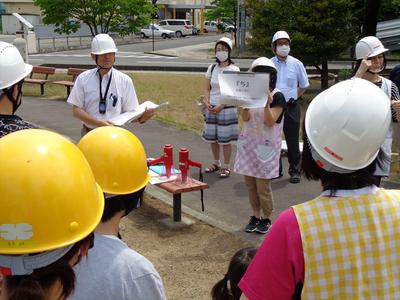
pixel 86 94
pixel 291 76
pixel 215 91
pixel 114 271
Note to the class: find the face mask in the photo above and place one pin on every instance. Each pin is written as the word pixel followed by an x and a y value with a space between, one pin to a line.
pixel 377 70
pixel 283 50
pixel 222 55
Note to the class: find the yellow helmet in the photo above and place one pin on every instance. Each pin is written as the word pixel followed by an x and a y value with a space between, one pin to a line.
pixel 48 195
pixel 117 158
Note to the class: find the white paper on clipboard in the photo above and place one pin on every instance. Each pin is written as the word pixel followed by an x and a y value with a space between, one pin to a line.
pixel 129 116
pixel 245 89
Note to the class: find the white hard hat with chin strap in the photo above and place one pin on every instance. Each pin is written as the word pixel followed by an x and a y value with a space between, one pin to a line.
pixel 103 44
pixel 277 36
pixel 227 41
pixel 280 35
pixel 13 70
pixel 347 124
pixel 369 46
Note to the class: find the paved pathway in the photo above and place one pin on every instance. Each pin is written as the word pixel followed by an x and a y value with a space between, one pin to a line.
pixel 225 202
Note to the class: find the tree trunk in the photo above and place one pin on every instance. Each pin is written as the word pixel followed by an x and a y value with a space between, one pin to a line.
pixel 371 17
pixel 324 75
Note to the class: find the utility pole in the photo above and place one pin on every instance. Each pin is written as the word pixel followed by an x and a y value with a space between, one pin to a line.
pixel 241 26
pixel 202 16
pixel 237 33
pixel 154 16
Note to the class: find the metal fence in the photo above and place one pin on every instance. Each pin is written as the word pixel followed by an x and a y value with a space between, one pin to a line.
pixel 49 40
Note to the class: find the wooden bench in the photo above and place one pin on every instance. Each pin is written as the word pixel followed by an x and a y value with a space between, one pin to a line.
pixel 44 72
pixel 74 72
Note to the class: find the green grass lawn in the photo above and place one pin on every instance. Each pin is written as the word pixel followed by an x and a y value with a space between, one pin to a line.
pixel 180 90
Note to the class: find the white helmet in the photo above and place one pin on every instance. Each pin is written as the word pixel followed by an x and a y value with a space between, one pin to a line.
pixel 262 61
pixel 227 41
pixel 369 46
pixel 12 66
pixel 103 43
pixel 346 125
pixel 280 35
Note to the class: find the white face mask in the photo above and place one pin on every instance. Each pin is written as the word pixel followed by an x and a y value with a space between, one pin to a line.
pixel 222 55
pixel 377 70
pixel 283 50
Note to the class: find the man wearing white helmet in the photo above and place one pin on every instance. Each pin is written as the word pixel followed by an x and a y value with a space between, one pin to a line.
pixel 371 61
pixel 102 93
pixel 344 243
pixel 292 81
pixel 13 70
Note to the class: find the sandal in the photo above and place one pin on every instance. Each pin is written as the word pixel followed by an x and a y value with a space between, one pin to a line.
pixel 224 173
pixel 212 168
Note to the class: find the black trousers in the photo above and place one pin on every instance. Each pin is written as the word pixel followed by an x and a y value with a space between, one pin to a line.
pixel 291 129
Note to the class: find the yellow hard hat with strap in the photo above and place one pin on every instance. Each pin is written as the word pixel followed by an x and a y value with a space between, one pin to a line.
pixel 48 194
pixel 117 158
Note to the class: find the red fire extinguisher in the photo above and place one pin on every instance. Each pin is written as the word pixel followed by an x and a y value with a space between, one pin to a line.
pixel 166 159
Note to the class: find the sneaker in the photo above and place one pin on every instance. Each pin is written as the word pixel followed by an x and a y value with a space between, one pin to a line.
pixel 294 178
pixel 263 226
pixel 252 226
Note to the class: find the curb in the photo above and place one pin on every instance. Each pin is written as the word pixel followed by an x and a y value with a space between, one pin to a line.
pixel 159 54
pixel 132 68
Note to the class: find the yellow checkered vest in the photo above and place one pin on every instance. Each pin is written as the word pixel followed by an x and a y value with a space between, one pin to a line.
pixel 351 245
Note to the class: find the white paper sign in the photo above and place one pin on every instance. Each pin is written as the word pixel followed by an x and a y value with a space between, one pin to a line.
pixel 243 89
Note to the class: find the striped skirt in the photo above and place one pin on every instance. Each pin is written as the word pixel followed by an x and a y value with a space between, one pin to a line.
pixel 222 127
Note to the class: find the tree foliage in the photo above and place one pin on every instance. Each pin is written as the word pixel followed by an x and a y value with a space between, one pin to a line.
pixel 102 16
pixel 320 30
pixel 225 10
pixel 390 9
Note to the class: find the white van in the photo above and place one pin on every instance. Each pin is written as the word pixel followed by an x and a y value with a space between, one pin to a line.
pixel 210 26
pixel 181 27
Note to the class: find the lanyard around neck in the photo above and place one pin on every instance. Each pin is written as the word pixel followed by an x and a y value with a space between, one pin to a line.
pixel 103 99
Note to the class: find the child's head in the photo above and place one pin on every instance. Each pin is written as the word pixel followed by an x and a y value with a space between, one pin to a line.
pixel 227 288
pixel 265 65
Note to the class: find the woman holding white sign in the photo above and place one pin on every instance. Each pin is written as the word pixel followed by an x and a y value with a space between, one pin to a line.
pixel 221 121
pixel 259 147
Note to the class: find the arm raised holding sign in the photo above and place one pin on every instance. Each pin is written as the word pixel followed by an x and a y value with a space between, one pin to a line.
pixel 259 146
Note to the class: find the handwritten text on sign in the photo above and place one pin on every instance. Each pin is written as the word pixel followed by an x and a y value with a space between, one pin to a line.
pixel 243 89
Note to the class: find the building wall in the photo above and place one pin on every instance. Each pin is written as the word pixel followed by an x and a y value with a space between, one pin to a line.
pixel 21 7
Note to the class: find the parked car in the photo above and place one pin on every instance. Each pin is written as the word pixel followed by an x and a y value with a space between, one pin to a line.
pixel 210 26
pixel 226 27
pixel 214 26
pixel 147 32
pixel 181 27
